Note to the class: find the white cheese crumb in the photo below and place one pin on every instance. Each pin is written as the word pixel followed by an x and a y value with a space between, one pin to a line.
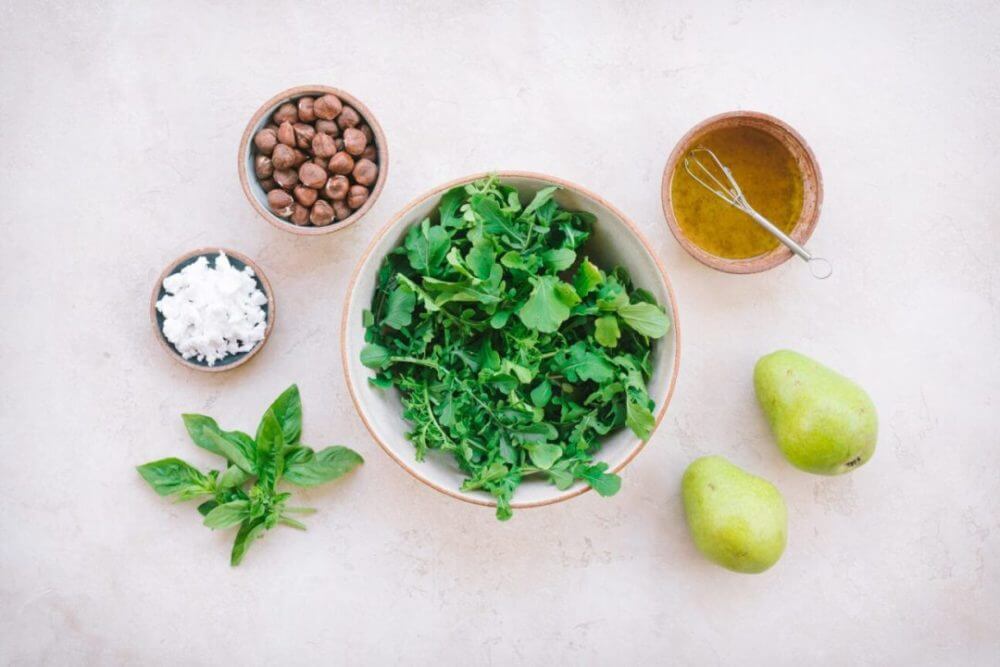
pixel 210 313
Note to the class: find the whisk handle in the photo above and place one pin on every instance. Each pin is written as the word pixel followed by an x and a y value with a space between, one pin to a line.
pixel 819 267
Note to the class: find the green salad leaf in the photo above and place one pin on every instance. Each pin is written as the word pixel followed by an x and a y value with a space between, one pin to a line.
pixel 511 350
pixel 245 492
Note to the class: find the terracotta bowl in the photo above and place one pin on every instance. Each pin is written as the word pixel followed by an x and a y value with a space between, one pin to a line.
pixel 616 240
pixel 256 195
pixel 238 260
pixel 812 188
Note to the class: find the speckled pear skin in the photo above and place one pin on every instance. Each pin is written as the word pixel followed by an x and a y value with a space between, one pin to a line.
pixel 737 520
pixel 824 422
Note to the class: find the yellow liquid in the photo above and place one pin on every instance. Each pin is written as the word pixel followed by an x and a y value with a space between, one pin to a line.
pixel 770 179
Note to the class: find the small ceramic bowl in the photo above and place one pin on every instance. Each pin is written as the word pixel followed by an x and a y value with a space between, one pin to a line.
pixel 616 241
pixel 255 193
pixel 812 188
pixel 239 261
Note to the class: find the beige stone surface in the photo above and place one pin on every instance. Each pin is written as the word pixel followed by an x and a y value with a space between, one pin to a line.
pixel 120 124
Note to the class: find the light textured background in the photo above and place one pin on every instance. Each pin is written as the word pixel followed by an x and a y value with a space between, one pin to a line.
pixel 118 138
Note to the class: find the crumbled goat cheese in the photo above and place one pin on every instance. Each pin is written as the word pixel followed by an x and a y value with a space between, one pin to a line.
pixel 212 312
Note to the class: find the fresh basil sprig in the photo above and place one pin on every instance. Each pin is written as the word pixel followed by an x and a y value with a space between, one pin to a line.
pixel 245 493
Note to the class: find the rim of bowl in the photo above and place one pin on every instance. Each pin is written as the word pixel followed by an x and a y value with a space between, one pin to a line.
pixel 637 445
pixel 292 94
pixel 812 179
pixel 172 267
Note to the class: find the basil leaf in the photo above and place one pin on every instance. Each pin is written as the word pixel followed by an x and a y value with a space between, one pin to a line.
pixel 287 408
pixel 234 477
pixel 326 465
pixel 270 449
pixel 234 452
pixel 228 514
pixel 249 531
pixel 198 427
pixel 170 476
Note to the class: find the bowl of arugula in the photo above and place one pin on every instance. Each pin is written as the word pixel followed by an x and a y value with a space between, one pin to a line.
pixel 511 340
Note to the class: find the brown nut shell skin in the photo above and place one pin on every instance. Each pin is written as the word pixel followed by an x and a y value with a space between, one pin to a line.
pixel 328 127
pixel 304 134
pixel 370 153
pixel 354 141
pixel 263 167
pixel 287 112
pixel 305 107
pixel 280 202
pixel 365 172
pixel 300 215
pixel 323 145
pixel 348 118
pixel 265 140
pixel 341 210
pixel 322 214
pixel 312 175
pixel 341 163
pixel 268 184
pixel 286 178
pixel 328 107
pixel 336 188
pixel 283 157
pixel 357 196
pixel 305 195
pixel 286 134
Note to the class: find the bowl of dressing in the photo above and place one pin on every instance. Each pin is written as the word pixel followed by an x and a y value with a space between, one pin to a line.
pixel 778 174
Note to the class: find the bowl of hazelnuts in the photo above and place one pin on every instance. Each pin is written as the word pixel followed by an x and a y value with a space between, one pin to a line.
pixel 313 160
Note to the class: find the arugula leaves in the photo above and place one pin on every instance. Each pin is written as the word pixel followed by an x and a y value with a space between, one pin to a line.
pixel 246 492
pixel 510 349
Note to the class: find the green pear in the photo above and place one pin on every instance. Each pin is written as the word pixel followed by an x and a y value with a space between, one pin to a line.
pixel 824 422
pixel 737 520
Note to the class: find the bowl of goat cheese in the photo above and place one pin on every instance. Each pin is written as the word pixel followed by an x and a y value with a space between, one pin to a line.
pixel 212 309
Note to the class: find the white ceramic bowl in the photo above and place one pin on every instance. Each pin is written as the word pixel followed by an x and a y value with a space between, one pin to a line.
pixel 615 241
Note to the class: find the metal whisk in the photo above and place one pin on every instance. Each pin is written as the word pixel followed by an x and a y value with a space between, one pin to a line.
pixel 731 193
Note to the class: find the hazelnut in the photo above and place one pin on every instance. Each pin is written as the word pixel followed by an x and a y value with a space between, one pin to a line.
pixel 265 140
pixel 286 134
pixel 339 143
pixel 312 175
pixel 283 157
pixel 369 153
pixel 341 210
pixel 341 163
pixel 321 161
pixel 286 112
pixel 328 127
pixel 300 215
pixel 321 214
pixel 286 178
pixel 305 106
pixel 323 145
pixel 305 195
pixel 369 135
pixel 356 196
pixel 328 107
pixel 280 202
pixel 365 172
pixel 300 157
pixel 304 135
pixel 271 126
pixel 263 167
pixel 268 184
pixel 348 118
pixel 336 188
pixel 354 140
